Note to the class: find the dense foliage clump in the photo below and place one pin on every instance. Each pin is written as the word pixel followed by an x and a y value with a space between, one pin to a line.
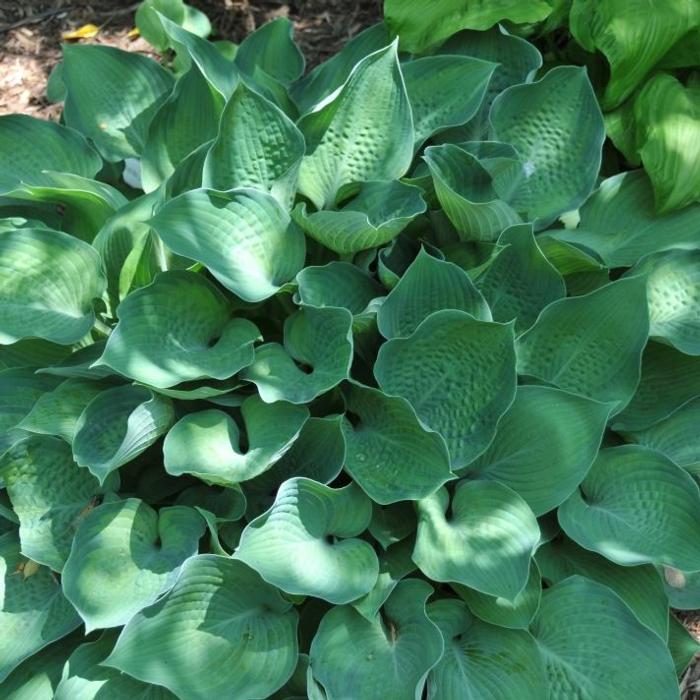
pixel 368 382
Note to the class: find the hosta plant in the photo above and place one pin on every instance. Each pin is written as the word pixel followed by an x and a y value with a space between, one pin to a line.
pixel 349 384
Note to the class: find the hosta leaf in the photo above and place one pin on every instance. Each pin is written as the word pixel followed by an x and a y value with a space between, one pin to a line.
pixel 521 281
pixel 50 283
pixel 568 258
pixel 79 364
pixel 305 543
pixel 186 120
pixel 669 380
pixel 176 11
pixel 481 660
pixel 177 329
pixel 244 237
pixel 485 540
pixel 419 27
pixel 428 285
pixel 636 507
pixel 633 36
pixel 465 190
pixel 226 503
pixel 668 139
pixel 593 645
pixel 112 96
pixel 682 588
pixel 316 356
pixel 640 587
pixel 396 649
pixel 556 173
pixel 124 556
pixel 246 155
pixel 271 48
pixel 50 495
pixel 544 445
pixel 34 612
pixel 389 454
pixel 513 614
pixel 682 645
pixel 444 91
pixel 392 523
pixel 31 353
pixel 117 426
pixel 364 132
pixel 207 443
pixel 457 373
pixel 57 411
pixel 674 436
pixel 29 146
pixel 592 344
pixel 243 630
pixel 619 222
pixel 379 212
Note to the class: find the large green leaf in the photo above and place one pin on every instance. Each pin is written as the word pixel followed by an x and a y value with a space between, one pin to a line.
pixel 636 507
pixel 592 344
pixel 682 645
pixel 207 443
pixel 544 445
pixel 30 146
pixel 485 540
pixel 457 373
pixel 483 661
pixel 257 146
pixel 124 556
pixel 244 237
pixel 556 126
pixel 389 453
pixel 682 588
pixel 177 329
pixel 632 34
pixel 316 356
pixel 50 495
pixel 365 132
pixel 396 649
pixel 34 612
pixel 305 543
pixel 428 285
pixel 31 353
pixel 112 96
pixel 117 426
pixel 49 285
pixel 419 26
pixel 593 645
pixel 220 632
pixel 150 28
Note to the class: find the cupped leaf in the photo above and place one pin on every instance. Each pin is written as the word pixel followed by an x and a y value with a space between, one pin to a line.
pixel 29 146
pixel 392 523
pixel 207 444
pixel 34 612
pixel 243 631
pixel 396 649
pixel 484 541
pixel 481 660
pixel 591 344
pixel 521 281
pixel 379 212
pixel 317 354
pixel 636 506
pixel 257 146
pixel 117 426
pixel 50 283
pixel 244 237
pixel 544 445
pixel 389 453
pixel 150 28
pixel 682 645
pixel 125 555
pixel 593 645
pixel 363 132
pixel 50 495
pixel 457 373
pixel 305 544
pixel 177 329
pixel 112 95
pixel 428 285
pixel 682 588
pixel 557 172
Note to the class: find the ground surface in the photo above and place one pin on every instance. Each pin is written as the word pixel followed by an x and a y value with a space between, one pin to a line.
pixel 30 45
